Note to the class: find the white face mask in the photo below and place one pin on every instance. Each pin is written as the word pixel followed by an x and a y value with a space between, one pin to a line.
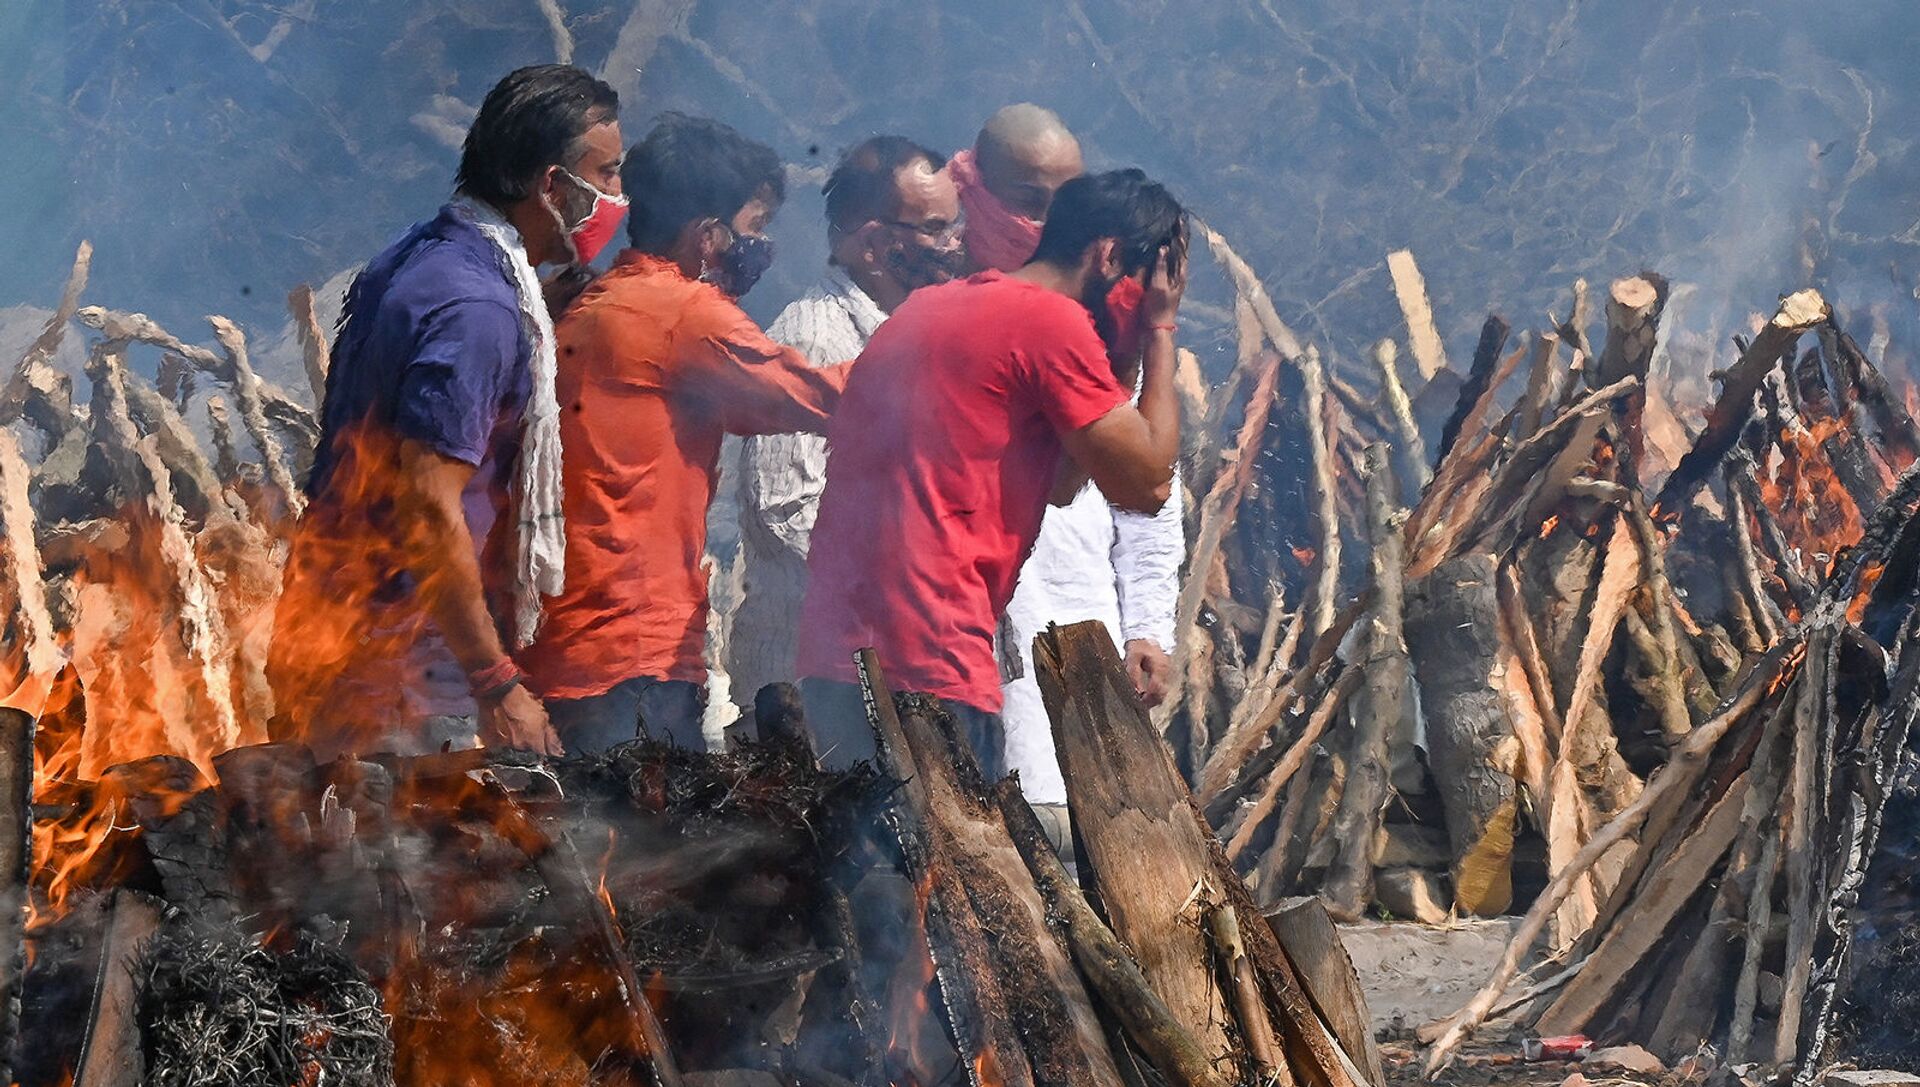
pixel 596 228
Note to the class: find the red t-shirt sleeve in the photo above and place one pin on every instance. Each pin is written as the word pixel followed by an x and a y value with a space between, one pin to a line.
pixel 1067 370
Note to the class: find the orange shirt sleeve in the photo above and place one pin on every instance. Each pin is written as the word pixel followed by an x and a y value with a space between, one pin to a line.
pixel 724 363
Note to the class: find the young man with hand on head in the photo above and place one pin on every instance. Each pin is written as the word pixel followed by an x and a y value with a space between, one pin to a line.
pixel 657 364
pixel 893 226
pixel 433 530
pixel 951 436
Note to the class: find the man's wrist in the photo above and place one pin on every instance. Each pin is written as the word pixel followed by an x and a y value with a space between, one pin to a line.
pixel 492 682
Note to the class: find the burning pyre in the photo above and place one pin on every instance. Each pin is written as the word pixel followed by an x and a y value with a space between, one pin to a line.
pixel 1662 719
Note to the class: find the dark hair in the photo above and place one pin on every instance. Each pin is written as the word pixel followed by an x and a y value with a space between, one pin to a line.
pixel 533 119
pixel 692 168
pixel 1120 204
pixel 861 185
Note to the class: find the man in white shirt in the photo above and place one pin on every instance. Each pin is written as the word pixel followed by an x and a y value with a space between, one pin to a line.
pixel 893 225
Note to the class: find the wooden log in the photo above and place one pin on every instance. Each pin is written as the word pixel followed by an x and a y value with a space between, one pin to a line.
pixel 1453 631
pixel 1219 774
pixel 1634 305
pixel 196 486
pixel 1480 380
pixel 1410 289
pixel 1798 312
pixel 1130 811
pixel 111 1055
pixel 23 593
pixel 1380 705
pixel 16 868
pixel 1314 947
pixel 35 369
pixel 1413 471
pixel 203 628
pixel 977 1010
pixel 1218 511
pixel 138 327
pixel 248 392
pixel 1680 772
pixel 1248 285
pixel 1804 815
pixel 1544 383
pixel 1657 903
pixel 1057 1026
pixel 1589 748
pixel 313 340
pixel 1154 859
pixel 1899 434
pixel 1243 990
pixel 1324 713
pixel 1104 961
pixel 1319 605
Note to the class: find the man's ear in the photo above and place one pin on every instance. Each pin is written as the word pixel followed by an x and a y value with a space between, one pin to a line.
pixel 1106 258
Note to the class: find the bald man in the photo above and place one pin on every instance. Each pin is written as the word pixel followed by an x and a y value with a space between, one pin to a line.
pixel 1007 179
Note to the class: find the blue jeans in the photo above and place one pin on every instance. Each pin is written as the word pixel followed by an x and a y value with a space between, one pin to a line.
pixel 842 736
pixel 669 710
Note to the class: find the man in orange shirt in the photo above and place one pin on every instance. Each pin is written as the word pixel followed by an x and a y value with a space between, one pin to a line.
pixel 657 364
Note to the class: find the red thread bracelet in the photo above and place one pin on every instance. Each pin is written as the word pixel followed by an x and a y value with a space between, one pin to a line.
pixel 500 676
pixel 1164 328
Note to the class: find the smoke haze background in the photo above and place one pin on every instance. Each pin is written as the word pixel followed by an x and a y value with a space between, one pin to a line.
pixel 218 152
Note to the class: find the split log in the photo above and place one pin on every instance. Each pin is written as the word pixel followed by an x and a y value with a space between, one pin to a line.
pixel 23 595
pixel 977 1010
pixel 248 391
pixel 202 627
pixel 111 1055
pixel 313 340
pixel 1453 620
pixel 971 845
pixel 1154 859
pixel 1412 451
pixel 1480 380
pixel 1380 707
pixel 1798 312
pixel 1221 772
pixel 1249 287
pixel 1899 434
pixel 1410 288
pixel 1130 811
pixel 196 486
pixel 35 372
pixel 1218 511
pixel 1544 383
pixel 1681 771
pixel 1295 757
pixel 1314 947
pixel 1811 712
pixel 1104 961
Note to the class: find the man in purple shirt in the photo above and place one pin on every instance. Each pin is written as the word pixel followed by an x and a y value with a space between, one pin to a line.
pixel 428 541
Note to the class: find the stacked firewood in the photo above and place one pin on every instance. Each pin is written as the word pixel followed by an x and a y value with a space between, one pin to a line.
pixel 1162 961
pixel 1650 679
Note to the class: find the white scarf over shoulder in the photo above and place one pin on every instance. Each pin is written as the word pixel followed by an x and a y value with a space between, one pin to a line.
pixel 540 557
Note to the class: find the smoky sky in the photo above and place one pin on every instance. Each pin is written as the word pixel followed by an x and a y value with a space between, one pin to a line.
pixel 218 152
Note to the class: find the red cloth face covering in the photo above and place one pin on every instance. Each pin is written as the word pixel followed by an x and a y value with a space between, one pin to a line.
pixel 592 234
pixel 1123 304
pixel 996 237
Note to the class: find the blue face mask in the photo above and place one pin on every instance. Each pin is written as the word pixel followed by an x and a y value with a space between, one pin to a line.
pixel 741 264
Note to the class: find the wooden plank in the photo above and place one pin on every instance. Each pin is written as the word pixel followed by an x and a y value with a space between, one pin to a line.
pixel 1313 945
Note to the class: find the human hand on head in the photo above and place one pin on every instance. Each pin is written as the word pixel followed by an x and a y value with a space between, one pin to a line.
pixel 1166 284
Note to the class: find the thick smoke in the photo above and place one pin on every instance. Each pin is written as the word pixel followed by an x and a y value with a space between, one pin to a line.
pixel 219 152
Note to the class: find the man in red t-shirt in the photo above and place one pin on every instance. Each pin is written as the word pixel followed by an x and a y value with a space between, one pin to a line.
pixel 948 442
